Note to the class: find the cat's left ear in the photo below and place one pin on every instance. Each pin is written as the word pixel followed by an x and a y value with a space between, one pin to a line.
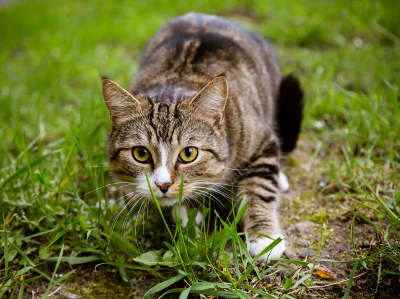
pixel 210 101
pixel 121 104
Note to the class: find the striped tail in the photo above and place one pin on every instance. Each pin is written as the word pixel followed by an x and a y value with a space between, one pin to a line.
pixel 289 112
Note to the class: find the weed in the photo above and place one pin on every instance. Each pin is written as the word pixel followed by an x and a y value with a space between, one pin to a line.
pixel 58 205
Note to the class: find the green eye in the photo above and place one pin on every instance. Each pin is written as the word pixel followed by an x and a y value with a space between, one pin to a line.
pixel 188 154
pixel 141 154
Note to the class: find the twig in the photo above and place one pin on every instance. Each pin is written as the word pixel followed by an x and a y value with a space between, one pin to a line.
pixel 335 283
pixel 328 285
pixel 55 292
pixel 272 273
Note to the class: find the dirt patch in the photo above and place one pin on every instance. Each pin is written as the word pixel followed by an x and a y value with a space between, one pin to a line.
pixel 91 281
pixel 307 211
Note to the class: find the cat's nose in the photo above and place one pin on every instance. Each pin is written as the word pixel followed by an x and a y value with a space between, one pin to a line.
pixel 163 186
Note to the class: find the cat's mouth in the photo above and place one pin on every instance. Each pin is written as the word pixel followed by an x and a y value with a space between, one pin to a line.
pixel 166 201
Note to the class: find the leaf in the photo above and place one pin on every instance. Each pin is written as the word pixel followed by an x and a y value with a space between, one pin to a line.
pixel 153 258
pixel 288 283
pixel 324 272
pixel 149 258
pixel 300 263
pixel 163 285
pixel 243 295
pixel 123 274
pixel 124 245
pixel 204 285
pixel 257 291
pixel 75 260
pixel 185 293
pixel 169 259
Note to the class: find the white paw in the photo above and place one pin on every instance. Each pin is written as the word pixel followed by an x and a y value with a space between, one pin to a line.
pixel 199 218
pixel 180 213
pixel 260 244
pixel 283 182
pixel 183 214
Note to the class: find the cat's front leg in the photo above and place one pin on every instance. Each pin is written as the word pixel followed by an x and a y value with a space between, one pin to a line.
pixel 182 213
pixel 260 185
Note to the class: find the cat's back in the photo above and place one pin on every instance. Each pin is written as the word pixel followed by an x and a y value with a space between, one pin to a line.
pixel 209 32
pixel 191 49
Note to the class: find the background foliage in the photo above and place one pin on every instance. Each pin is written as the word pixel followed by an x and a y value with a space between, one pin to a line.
pixel 54 125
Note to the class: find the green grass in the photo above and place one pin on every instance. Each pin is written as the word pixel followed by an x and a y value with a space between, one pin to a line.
pixel 54 205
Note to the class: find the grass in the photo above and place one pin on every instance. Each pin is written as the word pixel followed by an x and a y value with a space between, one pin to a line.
pixel 54 204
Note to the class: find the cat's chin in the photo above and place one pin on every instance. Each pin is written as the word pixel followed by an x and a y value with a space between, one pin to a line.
pixel 167 201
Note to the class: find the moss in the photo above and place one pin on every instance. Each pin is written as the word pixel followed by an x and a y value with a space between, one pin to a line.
pixel 297 202
pixel 320 217
pixel 104 285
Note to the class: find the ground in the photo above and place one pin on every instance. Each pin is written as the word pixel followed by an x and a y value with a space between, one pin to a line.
pixel 297 209
pixel 341 215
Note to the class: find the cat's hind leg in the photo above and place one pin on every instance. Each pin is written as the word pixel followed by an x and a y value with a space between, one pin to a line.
pixel 283 182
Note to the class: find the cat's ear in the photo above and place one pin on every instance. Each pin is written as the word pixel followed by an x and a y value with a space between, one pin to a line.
pixel 121 104
pixel 210 101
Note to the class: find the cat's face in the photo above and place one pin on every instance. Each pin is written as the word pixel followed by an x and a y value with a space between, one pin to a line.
pixel 165 141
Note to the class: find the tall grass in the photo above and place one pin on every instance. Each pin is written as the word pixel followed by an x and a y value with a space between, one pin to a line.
pixel 58 205
pixel 206 266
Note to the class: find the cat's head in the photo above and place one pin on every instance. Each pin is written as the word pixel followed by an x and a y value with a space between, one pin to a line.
pixel 167 138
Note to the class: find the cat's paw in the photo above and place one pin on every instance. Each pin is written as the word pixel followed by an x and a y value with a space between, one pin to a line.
pixel 259 244
pixel 183 214
pixel 283 182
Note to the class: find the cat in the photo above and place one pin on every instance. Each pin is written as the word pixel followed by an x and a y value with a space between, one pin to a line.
pixel 208 100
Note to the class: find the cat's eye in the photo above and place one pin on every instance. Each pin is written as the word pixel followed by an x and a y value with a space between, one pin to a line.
pixel 188 154
pixel 141 154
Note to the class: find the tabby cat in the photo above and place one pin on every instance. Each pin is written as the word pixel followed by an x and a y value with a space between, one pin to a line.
pixel 208 101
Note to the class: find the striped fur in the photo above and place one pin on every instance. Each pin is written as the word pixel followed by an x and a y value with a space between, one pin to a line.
pixel 206 82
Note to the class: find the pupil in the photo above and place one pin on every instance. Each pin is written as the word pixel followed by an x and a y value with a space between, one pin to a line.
pixel 142 152
pixel 188 151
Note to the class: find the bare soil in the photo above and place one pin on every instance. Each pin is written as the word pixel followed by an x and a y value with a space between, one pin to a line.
pixel 308 199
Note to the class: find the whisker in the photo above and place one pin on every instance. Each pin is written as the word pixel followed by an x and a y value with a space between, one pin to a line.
pixel 98 165
pixel 207 193
pixel 110 184
pixel 131 200
pixel 213 183
pixel 126 218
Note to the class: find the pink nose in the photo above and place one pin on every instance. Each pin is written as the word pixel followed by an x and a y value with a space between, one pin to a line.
pixel 163 186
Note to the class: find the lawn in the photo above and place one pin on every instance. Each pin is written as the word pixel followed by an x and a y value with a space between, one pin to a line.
pixel 62 231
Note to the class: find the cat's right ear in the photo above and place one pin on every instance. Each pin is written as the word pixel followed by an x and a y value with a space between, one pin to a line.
pixel 210 101
pixel 121 104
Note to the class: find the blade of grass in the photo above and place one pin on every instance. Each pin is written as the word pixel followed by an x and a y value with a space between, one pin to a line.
pixel 26 168
pixel 350 283
pixel 75 260
pixel 8 283
pixel 24 256
pixel 268 248
pixel 51 284
pixel 163 285
pixel 5 247
pixel 165 222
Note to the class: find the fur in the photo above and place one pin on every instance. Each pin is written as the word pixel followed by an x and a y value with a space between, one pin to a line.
pixel 207 83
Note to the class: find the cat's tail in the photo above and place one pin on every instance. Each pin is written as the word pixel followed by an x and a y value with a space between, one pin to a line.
pixel 289 112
